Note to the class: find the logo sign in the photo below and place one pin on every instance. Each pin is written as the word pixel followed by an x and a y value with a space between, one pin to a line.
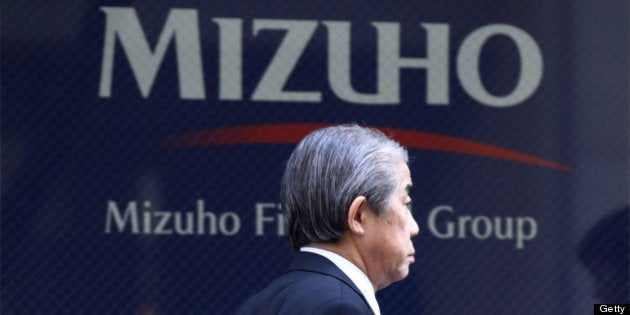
pixel 143 147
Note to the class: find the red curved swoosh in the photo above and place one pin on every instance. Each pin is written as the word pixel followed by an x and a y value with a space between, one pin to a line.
pixel 293 133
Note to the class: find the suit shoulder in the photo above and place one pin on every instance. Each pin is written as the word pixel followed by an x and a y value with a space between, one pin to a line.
pixel 308 293
pixel 341 306
pixel 313 283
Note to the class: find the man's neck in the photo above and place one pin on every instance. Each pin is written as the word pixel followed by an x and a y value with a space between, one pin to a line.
pixel 345 250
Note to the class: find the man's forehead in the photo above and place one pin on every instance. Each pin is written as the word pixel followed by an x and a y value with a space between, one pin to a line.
pixel 405 180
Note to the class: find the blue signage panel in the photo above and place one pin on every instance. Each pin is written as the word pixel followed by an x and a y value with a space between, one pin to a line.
pixel 143 146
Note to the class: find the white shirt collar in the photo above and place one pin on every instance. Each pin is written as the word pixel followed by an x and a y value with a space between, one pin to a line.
pixel 353 272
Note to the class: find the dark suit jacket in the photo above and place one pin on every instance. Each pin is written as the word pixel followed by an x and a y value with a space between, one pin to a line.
pixel 312 285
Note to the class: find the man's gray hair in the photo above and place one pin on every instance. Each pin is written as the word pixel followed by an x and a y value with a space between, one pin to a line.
pixel 328 170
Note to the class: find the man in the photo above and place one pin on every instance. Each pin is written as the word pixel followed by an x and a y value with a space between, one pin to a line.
pixel 345 194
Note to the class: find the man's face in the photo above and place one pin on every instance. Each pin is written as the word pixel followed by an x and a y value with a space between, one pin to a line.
pixel 389 247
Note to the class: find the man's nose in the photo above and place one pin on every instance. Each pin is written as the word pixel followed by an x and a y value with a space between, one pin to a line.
pixel 415 229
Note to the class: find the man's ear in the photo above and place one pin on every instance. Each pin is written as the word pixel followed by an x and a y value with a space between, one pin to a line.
pixel 356 215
